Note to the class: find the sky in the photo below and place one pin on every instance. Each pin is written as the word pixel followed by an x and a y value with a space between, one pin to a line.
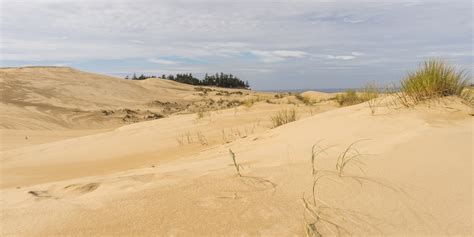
pixel 275 45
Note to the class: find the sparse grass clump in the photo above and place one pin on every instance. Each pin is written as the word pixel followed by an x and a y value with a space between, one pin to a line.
pixel 283 117
pixel 202 139
pixel 306 100
pixel 200 114
pixel 433 79
pixel 370 91
pixel 279 95
pixel 249 102
pixel 370 94
pixel 349 97
pixel 319 217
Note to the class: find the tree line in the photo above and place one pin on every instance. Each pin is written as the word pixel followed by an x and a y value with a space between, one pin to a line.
pixel 218 79
pixel 141 77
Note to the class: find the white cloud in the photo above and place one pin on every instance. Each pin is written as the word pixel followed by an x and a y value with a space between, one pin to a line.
pixel 353 55
pixel 341 57
pixel 163 61
pixel 289 53
pixel 277 55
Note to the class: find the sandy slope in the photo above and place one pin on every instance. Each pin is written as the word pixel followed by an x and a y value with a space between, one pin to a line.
pixel 141 144
pixel 415 177
pixel 58 98
pixel 45 104
pixel 70 88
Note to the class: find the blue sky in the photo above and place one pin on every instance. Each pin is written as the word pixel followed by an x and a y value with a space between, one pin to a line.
pixel 272 44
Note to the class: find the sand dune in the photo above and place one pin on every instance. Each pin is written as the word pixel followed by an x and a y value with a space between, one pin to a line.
pixel 62 97
pixel 175 176
pixel 316 96
pixel 141 144
pixel 67 102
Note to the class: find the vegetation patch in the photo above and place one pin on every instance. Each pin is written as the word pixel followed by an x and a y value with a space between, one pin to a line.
pixel 349 97
pixel 250 102
pixel 283 117
pixel 219 80
pixel 306 100
pixel 433 79
pixel 371 92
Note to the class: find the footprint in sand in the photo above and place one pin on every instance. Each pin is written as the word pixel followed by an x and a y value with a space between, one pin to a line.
pixel 40 194
pixel 81 188
pixel 69 190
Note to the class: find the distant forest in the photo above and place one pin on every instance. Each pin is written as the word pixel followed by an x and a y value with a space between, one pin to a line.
pixel 219 80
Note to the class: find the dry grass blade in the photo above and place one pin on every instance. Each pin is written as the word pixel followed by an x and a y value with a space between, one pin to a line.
pixel 349 154
pixel 371 92
pixel 237 166
pixel 202 139
pixel 321 218
pixel 311 228
pixel 258 183
pixel 316 150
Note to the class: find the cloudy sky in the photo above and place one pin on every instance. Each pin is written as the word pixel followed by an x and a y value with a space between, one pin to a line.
pixel 272 44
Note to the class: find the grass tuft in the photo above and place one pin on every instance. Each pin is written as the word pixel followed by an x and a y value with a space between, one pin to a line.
pixel 371 92
pixel 306 100
pixel 202 139
pixel 200 114
pixel 249 102
pixel 349 97
pixel 433 79
pixel 283 117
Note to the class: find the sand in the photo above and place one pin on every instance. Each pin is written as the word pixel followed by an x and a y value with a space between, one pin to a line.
pixel 174 176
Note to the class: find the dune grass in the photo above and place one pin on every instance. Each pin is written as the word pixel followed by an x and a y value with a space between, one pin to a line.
pixel 319 217
pixel 201 138
pixel 371 92
pixel 314 216
pixel 349 156
pixel 304 99
pixel 433 79
pixel 283 117
pixel 349 97
pixel 236 165
pixel 249 102
pixel 200 114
